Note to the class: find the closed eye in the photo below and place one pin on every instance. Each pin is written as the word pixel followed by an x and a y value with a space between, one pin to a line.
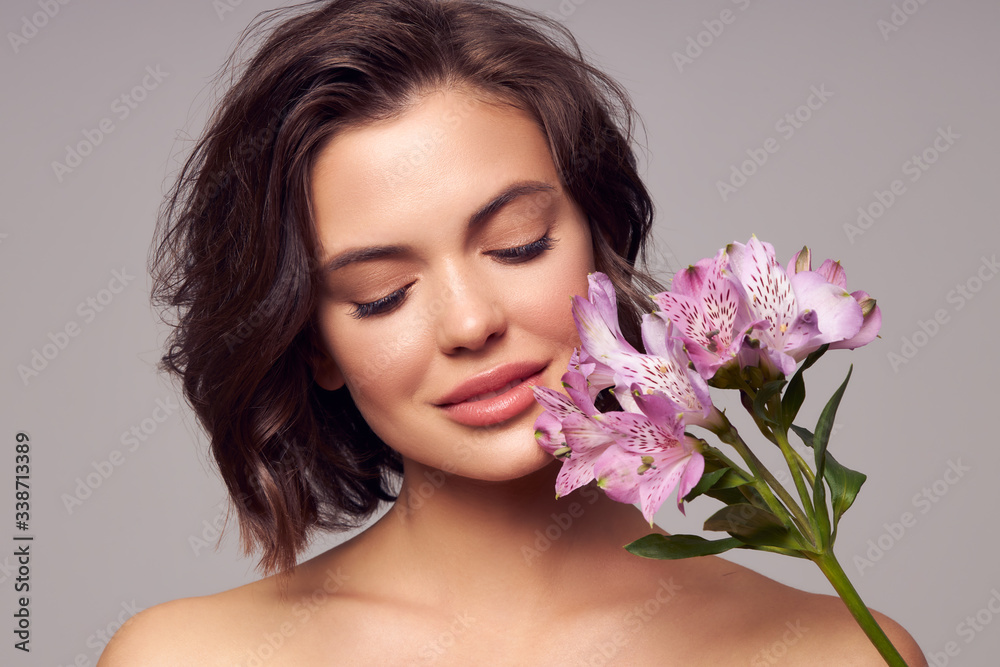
pixel 379 306
pixel 525 252
pixel 514 255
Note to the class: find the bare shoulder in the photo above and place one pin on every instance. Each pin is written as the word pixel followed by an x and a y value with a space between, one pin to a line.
pixel 841 640
pixel 171 633
pixel 269 620
pixel 780 623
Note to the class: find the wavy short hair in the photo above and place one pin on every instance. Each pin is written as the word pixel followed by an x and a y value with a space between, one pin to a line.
pixel 235 257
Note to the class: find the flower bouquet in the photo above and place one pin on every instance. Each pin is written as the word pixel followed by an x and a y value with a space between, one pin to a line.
pixel 735 321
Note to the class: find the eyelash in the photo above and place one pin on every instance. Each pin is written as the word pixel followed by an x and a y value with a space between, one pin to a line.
pixel 515 255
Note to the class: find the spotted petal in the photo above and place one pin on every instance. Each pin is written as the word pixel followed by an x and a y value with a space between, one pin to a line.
pixel 766 290
pixel 691 280
pixel 704 312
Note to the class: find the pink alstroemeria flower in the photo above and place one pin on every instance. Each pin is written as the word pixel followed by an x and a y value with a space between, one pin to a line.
pixel 803 311
pixel 703 304
pixel 569 430
pixel 664 369
pixel 650 458
pixel 834 274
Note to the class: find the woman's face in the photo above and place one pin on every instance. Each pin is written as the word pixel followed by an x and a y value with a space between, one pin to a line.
pixel 450 252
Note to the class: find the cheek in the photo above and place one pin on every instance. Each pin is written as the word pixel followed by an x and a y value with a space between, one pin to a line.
pixel 548 300
pixel 381 362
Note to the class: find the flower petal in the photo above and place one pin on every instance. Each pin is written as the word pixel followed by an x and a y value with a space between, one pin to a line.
pixel 838 314
pixel 555 402
pixel 548 433
pixel 601 293
pixel 584 434
pixel 664 476
pixel 576 471
pixel 766 289
pixel 869 328
pixel 834 273
pixel 689 281
pixel 637 434
pixel 616 471
pixel 598 338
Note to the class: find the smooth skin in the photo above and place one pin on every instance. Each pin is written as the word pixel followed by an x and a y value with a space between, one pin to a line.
pixel 477 562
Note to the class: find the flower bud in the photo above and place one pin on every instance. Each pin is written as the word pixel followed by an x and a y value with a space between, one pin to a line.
pixel 803 261
pixel 867 306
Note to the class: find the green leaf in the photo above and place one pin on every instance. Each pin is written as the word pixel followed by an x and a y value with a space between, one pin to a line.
pixel 768 391
pixel 752 525
pixel 844 483
pixel 705 483
pixel 730 495
pixel 796 392
pixel 717 480
pixel 844 486
pixel 730 480
pixel 675 547
pixel 804 434
pixel 821 437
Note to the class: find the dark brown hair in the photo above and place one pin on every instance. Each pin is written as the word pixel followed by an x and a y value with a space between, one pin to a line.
pixel 235 254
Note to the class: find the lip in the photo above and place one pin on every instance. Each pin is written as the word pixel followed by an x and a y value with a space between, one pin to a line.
pixel 501 407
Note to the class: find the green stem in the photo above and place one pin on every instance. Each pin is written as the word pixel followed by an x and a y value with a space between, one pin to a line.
pixel 761 424
pixel 804 467
pixel 827 562
pixel 732 438
pixel 793 467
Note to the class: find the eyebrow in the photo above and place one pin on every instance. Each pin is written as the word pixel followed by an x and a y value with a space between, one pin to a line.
pixel 484 213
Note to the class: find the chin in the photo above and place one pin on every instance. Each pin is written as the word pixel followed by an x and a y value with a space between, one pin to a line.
pixel 506 466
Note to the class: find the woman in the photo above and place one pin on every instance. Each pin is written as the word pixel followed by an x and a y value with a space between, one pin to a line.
pixel 372 252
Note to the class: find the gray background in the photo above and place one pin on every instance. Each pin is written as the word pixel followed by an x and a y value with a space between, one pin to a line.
pixel 136 540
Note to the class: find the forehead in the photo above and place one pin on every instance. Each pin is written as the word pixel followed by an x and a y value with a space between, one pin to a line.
pixel 438 162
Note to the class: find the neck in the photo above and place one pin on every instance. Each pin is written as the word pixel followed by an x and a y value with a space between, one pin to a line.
pixel 455 529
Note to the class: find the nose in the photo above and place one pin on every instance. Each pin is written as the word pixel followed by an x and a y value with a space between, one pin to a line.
pixel 471 313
